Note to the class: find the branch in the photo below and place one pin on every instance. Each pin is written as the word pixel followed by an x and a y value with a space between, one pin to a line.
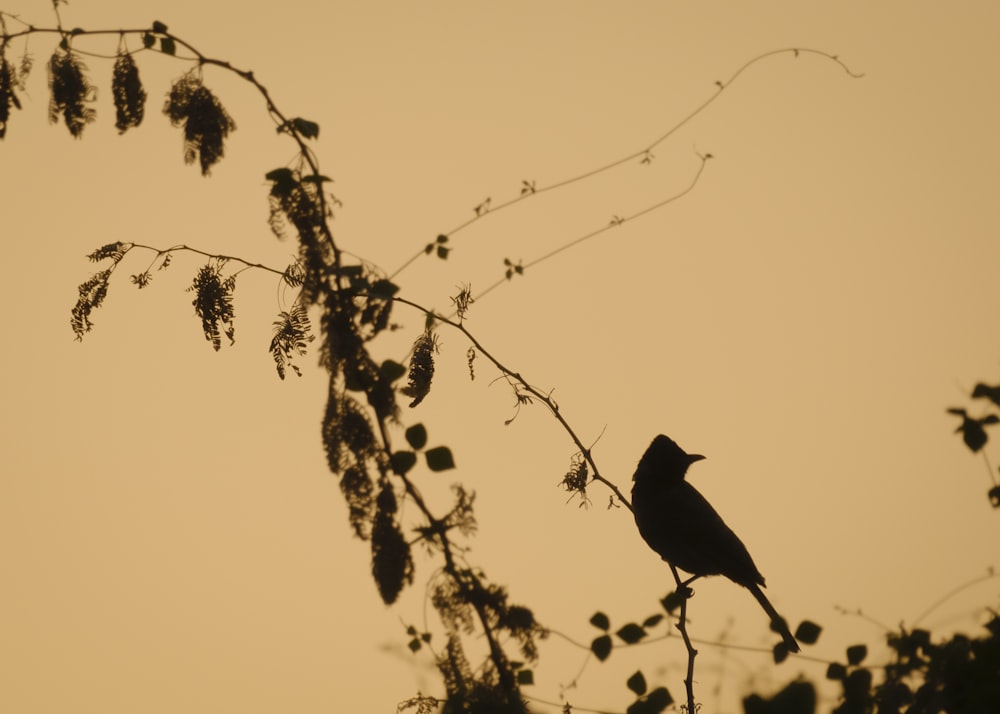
pixel 645 154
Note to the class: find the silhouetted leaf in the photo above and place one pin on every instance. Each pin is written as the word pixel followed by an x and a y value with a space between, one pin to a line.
pixel 167 46
pixel 525 677
pixel 416 436
pixel 390 370
pixel 653 703
pixel 383 289
pixel 637 683
pixel 994 495
pixel 148 40
pixel 159 26
pixel 403 461
pixel 631 633
pixel 973 433
pixel 308 129
pixel 439 458
pixel 836 671
pixel 601 647
pixel 808 632
pixel 984 391
pixel 278 175
pixel 797 697
pixel 672 601
pixel 856 654
pixel 600 621
pixel 652 621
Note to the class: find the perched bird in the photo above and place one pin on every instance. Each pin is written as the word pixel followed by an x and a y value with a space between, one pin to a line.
pixel 683 528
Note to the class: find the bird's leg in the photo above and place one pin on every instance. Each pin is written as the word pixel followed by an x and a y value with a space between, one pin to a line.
pixel 684 589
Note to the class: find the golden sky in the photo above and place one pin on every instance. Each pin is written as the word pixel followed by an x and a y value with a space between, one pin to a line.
pixel 170 537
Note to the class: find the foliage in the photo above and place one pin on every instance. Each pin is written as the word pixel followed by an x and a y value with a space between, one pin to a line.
pixel 974 434
pixel 129 96
pixel 960 675
pixel 192 106
pixel 71 91
pixel 352 304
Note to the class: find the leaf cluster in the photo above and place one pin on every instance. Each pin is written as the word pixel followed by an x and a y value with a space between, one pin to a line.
pixel 213 303
pixel 11 79
pixel 93 291
pixel 128 93
pixel 206 124
pixel 292 335
pixel 71 92
pixel 973 429
pixel 960 675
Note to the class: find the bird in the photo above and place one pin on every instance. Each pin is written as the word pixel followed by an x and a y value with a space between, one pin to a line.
pixel 681 526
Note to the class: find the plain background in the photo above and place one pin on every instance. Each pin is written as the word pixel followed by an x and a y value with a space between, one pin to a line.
pixel 170 538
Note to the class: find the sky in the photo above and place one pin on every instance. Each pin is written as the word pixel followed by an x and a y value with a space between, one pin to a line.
pixel 169 533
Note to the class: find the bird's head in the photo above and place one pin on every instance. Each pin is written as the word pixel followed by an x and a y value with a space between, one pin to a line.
pixel 665 459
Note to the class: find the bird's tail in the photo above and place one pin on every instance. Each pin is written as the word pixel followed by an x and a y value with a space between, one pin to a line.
pixel 777 621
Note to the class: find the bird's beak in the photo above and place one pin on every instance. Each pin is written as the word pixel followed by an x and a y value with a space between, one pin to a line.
pixel 694 457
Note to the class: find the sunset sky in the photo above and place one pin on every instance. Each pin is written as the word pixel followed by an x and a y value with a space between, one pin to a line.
pixel 170 537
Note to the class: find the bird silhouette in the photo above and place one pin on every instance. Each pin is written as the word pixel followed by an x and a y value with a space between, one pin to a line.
pixel 683 528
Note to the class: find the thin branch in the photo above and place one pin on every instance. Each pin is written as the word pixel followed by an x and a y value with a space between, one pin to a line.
pixel 642 153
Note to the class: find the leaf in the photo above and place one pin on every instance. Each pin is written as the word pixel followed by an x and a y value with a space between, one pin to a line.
pixel 308 129
pixel 383 289
pixel 402 461
pixel 652 621
pixel 600 621
pixel 416 436
pixel 836 671
pixel 391 370
pixel 316 179
pixel 392 564
pixel 808 632
pixel 282 174
pixel 973 433
pixel 167 46
pixel 631 633
pixel 653 703
pixel 525 677
pixel 159 26
pixel 601 647
pixel 672 601
pixel 856 654
pixel 148 40
pixel 439 459
pixel 985 391
pixel 637 683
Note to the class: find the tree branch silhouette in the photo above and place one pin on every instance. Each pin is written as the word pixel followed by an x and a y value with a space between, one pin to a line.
pixel 354 302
